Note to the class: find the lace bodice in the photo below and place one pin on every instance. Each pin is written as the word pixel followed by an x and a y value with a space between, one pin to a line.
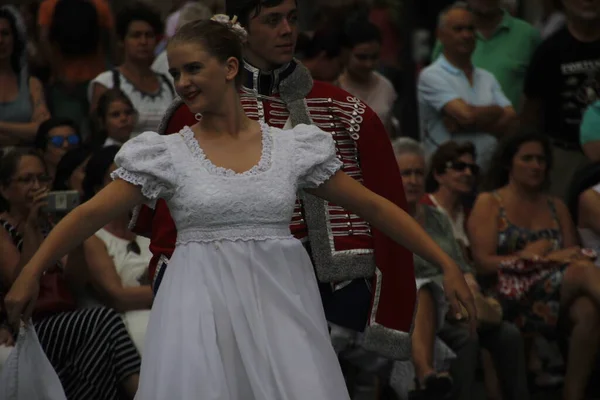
pixel 210 203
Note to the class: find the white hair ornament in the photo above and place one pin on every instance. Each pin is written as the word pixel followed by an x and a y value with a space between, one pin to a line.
pixel 233 24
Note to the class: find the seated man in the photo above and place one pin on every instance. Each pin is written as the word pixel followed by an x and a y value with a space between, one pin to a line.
pixel 458 101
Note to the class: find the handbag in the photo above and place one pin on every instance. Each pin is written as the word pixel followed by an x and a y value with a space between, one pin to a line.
pixel 54 295
pixel 27 374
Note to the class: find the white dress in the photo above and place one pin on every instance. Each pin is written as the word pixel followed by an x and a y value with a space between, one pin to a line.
pixel 238 315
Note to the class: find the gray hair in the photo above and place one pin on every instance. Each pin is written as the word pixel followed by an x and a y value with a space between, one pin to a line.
pixel 459 5
pixel 406 145
pixel 194 12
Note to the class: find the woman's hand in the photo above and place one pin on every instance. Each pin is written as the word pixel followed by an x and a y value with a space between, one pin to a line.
pixel 565 255
pixel 21 298
pixel 459 295
pixel 6 338
pixel 36 217
pixel 534 251
pixel 472 282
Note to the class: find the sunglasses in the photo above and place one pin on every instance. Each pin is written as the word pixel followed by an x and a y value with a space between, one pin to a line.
pixel 134 247
pixel 461 166
pixel 59 141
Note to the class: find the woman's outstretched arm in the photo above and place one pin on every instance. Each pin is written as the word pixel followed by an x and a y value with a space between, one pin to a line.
pixel 114 200
pixel 402 228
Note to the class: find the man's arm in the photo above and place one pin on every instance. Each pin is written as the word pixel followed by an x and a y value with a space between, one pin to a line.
pixel 473 118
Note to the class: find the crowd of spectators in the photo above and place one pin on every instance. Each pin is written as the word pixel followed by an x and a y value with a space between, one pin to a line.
pixel 503 173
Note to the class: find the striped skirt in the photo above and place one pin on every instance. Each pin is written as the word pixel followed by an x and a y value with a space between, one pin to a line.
pixel 90 351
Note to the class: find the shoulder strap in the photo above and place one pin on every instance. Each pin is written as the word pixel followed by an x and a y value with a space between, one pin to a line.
pixel 116 78
pixel 553 211
pixel 14 234
pixel 500 202
pixel 169 84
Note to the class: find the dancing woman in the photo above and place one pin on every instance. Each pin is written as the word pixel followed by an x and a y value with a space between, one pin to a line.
pixel 238 314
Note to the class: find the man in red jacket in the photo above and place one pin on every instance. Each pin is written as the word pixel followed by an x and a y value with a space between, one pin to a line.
pixel 367 279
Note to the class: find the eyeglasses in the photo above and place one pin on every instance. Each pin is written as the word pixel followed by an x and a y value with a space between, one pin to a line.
pixel 461 166
pixel 59 141
pixel 134 247
pixel 29 180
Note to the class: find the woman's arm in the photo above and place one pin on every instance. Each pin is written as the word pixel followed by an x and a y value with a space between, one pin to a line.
pixel 401 227
pixel 107 282
pixel 25 131
pixel 567 227
pixel 114 200
pixel 9 262
pixel 383 215
pixel 589 210
pixel 482 227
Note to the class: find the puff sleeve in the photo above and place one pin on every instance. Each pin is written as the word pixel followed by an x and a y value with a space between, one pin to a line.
pixel 145 161
pixel 314 155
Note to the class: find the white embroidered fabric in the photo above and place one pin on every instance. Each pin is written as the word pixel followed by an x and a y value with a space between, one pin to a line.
pixel 238 314
pixel 208 202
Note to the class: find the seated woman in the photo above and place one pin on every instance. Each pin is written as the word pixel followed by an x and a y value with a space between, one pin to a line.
pixel 22 103
pixel 138 25
pixel 115 119
pixel 501 339
pixel 450 183
pixel 54 138
pixel 117 259
pixel 90 349
pixel 516 220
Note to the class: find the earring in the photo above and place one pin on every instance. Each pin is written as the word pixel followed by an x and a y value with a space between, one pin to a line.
pixel 198 116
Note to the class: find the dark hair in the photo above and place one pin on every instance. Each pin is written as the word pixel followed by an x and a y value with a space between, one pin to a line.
pixel 445 153
pixel 19 41
pixel 75 27
pixel 67 165
pixel 244 8
pixel 361 31
pixel 96 169
pixel 502 159
pixel 41 137
pixel 219 40
pixel 9 163
pixel 138 11
pixel 99 117
pixel 328 40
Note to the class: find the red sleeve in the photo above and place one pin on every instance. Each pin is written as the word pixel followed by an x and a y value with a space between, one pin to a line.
pixel 105 15
pixel 46 12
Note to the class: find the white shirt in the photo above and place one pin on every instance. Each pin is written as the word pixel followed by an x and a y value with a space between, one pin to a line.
pixel 150 107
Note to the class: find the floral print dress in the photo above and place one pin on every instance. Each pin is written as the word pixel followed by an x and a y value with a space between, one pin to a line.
pixel 536 311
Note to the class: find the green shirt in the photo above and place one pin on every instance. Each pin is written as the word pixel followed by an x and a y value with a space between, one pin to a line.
pixel 506 54
pixel 438 226
pixel 590 124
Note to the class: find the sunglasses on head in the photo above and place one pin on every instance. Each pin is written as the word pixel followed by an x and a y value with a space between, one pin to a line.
pixel 461 166
pixel 59 141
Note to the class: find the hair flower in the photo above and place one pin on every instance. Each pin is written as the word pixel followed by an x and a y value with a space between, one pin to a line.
pixel 232 23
